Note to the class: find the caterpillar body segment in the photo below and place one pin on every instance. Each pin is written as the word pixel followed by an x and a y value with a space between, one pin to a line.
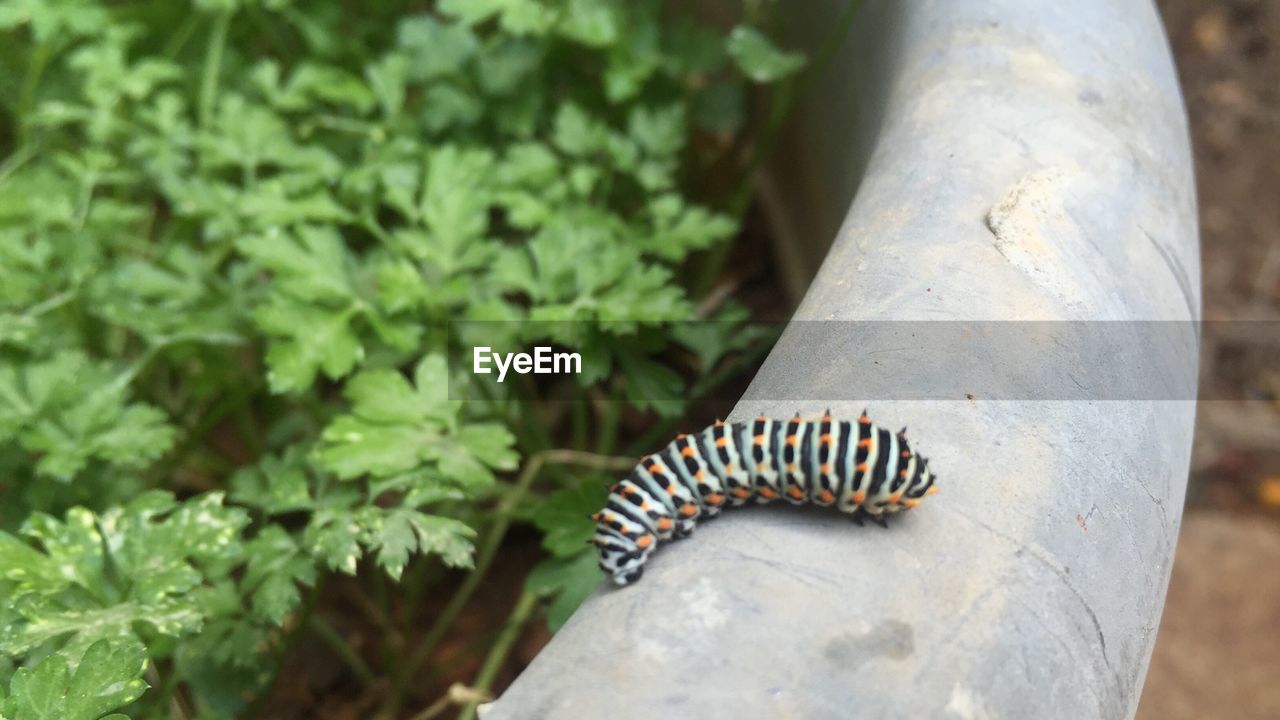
pixel 857 466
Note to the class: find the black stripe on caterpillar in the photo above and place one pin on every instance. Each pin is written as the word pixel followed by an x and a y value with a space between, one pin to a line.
pixel 862 469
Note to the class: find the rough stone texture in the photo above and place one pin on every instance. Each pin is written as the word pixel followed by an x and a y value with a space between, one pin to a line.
pixel 1012 160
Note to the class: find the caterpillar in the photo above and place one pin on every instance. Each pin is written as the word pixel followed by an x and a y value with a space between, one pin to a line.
pixel 862 469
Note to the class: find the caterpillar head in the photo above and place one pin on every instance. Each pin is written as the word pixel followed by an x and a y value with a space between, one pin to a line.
pixel 921 484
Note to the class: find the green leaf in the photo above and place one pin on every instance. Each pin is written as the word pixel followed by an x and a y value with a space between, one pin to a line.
pixel 395 427
pixel 518 17
pixel 455 209
pixel 276 568
pixel 48 20
pixel 308 340
pixel 565 518
pixel 758 58
pixel 504 68
pixel 434 49
pixel 72 412
pixel 651 384
pixel 278 484
pixel 679 229
pixel 108 677
pixel 401 532
pixel 597 23
pixel 100 577
pixel 576 132
pixel 569 580
pixel 314 265
pixel 450 107
pixel 658 131
pixel 728 331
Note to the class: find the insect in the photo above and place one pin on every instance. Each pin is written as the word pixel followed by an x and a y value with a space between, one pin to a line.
pixel 861 468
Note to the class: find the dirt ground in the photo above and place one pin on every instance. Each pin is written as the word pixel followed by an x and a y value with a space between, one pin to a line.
pixel 1217 654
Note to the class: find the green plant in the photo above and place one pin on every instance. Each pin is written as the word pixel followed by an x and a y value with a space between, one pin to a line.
pixel 232 238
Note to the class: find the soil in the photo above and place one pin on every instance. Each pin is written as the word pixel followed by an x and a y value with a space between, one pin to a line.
pixel 1218 649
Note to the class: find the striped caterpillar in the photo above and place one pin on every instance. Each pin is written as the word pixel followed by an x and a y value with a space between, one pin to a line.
pixel 864 470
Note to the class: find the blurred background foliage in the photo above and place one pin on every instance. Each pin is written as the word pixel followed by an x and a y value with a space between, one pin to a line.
pixel 232 236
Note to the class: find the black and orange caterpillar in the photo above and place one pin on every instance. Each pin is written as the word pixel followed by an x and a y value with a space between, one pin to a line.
pixel 861 468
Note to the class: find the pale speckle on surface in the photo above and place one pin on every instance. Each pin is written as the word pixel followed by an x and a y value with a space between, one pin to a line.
pixel 965 705
pixel 704 605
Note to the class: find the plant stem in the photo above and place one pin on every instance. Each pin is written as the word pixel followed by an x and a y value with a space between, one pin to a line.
pixel 484 558
pixel 497 656
pixel 285 646
pixel 781 104
pixel 610 413
pixel 30 84
pixel 180 37
pixel 330 636
pixel 16 159
pixel 213 66
pixel 579 417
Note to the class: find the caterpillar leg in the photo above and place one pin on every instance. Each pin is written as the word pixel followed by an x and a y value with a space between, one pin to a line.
pixel 860 514
pixel 857 515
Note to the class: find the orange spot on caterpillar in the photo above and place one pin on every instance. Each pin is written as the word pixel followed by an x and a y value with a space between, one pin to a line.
pixel 859 497
pixel 906 453
pixel 862 467
pixel 722 441
pixel 699 475
pixel 894 498
pixel 688 510
pixel 933 490
pixel 687 452
pixel 864 443
pixel 741 492
pixel 715 498
pixel 910 502
pixel 759 439
pixel 795 492
pixel 768 492
pixel 730 469
pixel 826 496
pixel 761 467
pixel 791 467
pixel 903 473
pixel 793 440
pixel 664 524
pixel 825 469
pixel 826 438
pixel 644 541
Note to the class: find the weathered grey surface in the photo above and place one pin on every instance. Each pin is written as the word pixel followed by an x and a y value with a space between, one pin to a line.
pixel 1023 160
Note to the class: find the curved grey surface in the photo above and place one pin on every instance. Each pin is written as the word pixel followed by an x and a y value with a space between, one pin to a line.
pixel 1013 160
